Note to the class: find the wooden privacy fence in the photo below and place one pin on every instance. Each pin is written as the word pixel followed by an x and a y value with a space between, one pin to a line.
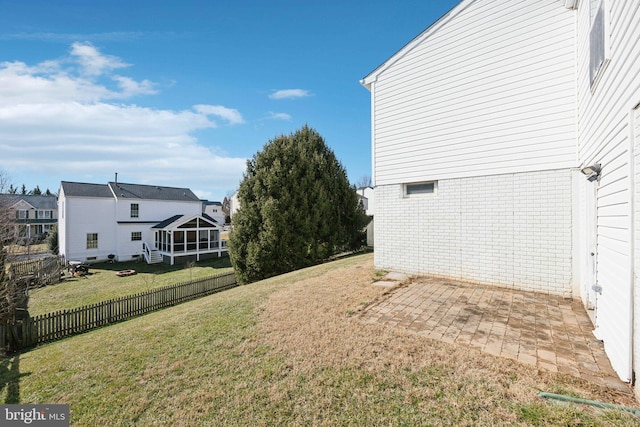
pixel 41 268
pixel 61 324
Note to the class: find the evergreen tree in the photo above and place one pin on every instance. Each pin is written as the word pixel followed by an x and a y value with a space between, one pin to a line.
pixel 52 241
pixel 23 190
pixel 296 208
pixel 36 191
pixel 48 193
pixel 12 189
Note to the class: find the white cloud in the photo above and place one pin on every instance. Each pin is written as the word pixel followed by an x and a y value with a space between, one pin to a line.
pixel 57 119
pixel 279 116
pixel 231 115
pixel 289 94
pixel 130 87
pixel 92 61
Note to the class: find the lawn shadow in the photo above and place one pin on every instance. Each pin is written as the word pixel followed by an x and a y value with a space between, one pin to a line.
pixel 10 378
pixel 161 268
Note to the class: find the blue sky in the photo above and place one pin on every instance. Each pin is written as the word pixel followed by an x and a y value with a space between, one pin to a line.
pixel 182 93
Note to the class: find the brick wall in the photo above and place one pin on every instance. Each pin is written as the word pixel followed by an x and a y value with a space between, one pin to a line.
pixel 512 230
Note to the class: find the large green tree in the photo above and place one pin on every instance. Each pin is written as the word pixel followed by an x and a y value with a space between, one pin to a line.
pixel 296 208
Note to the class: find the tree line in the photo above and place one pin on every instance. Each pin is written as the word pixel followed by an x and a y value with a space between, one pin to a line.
pixel 23 191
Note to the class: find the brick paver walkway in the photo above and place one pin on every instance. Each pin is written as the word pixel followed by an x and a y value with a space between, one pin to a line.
pixel 550 332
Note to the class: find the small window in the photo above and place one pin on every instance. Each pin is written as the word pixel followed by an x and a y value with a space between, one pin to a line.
pixel 136 236
pixel 92 240
pixel 135 209
pixel 22 214
pixel 420 188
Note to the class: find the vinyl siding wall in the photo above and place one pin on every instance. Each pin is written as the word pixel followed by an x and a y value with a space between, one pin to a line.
pixel 150 212
pixel 155 210
pixel 605 118
pixel 88 215
pixel 490 92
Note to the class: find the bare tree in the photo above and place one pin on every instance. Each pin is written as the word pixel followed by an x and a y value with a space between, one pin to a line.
pixel 8 288
pixel 364 181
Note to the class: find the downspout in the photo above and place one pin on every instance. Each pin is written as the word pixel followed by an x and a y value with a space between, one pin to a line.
pixel 632 217
pixel 372 88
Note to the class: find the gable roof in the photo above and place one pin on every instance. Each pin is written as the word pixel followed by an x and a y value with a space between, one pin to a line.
pixel 121 190
pixel 443 20
pixel 36 201
pixel 167 221
pixel 83 189
pixel 182 218
pixel 151 192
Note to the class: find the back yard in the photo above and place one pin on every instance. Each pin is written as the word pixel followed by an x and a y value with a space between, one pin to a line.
pixel 102 283
pixel 290 350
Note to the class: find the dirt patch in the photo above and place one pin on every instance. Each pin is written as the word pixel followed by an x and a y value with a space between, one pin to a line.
pixel 317 322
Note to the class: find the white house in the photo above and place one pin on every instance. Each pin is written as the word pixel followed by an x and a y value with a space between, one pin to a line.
pixel 506 151
pixel 234 204
pixel 33 216
pixel 127 221
pixel 214 210
pixel 368 199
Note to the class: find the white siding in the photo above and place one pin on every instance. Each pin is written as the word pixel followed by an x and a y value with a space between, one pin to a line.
pixel 511 230
pixel 490 92
pixel 605 135
pixel 155 210
pixel 88 215
pixel 215 212
pixel 150 212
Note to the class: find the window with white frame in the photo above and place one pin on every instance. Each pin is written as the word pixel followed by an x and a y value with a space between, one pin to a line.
pixel 135 210
pixel 92 240
pixel 44 214
pixel 597 39
pixel 22 214
pixel 136 236
pixel 415 188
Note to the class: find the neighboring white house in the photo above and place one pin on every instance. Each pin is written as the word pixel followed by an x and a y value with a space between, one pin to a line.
pixel 367 198
pixel 481 126
pixel 214 210
pixel 234 204
pixel 126 221
pixel 33 216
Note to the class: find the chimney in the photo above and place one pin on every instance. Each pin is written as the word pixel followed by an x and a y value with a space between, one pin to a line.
pixel 116 177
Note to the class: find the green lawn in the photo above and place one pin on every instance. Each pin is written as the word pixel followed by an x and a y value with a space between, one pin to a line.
pixel 102 283
pixel 291 350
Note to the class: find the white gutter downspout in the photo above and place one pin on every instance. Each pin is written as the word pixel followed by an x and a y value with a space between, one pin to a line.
pixel 373 134
pixel 634 236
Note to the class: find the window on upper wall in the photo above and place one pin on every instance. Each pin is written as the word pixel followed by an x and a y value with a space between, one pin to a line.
pixel 22 214
pixel 135 210
pixel 597 39
pixel 44 214
pixel 136 235
pixel 415 188
pixel 92 240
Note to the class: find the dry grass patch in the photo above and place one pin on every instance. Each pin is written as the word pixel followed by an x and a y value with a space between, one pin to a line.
pixel 292 351
pixel 315 325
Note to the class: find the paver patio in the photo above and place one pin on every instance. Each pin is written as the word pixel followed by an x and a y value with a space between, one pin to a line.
pixel 547 331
